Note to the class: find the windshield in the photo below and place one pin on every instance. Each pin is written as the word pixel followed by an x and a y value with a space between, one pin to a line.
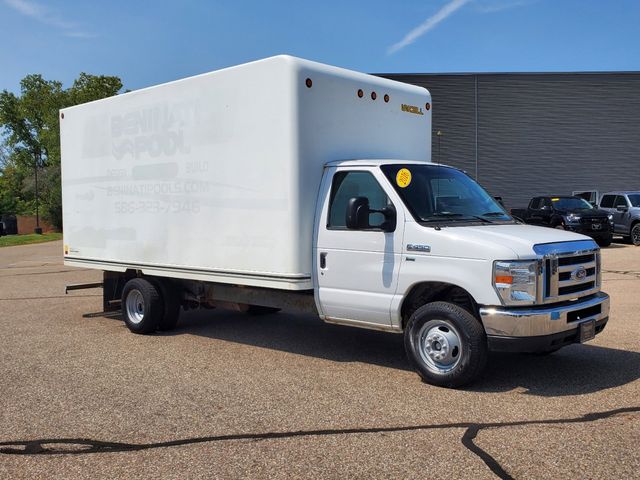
pixel 571 203
pixel 634 199
pixel 436 193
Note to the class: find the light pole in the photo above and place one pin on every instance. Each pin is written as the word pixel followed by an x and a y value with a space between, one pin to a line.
pixel 439 134
pixel 36 158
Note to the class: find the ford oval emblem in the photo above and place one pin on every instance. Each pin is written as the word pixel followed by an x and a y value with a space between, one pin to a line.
pixel 579 273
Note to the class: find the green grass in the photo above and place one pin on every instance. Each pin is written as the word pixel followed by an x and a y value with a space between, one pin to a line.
pixel 12 240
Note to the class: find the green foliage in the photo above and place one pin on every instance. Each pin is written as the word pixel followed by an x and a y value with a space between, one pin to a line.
pixel 30 139
pixel 13 240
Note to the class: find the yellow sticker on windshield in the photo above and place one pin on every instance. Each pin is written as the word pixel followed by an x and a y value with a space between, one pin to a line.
pixel 555 199
pixel 403 178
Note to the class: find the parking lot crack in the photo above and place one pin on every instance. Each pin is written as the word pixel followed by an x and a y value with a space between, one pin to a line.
pixel 76 446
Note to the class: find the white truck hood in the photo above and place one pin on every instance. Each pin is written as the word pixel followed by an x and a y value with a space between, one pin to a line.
pixel 518 238
pixel 484 242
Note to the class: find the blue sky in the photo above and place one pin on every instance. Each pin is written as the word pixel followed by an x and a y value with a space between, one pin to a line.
pixel 150 42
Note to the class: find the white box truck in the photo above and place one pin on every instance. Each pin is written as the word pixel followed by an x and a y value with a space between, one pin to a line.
pixel 285 183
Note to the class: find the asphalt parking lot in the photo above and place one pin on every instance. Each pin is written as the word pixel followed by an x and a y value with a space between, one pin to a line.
pixel 227 395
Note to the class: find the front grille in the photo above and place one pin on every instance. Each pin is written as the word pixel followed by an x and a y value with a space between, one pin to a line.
pixel 591 221
pixel 570 275
pixel 575 288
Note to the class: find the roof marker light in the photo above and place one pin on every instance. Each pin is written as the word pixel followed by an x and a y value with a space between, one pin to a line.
pixel 360 93
pixel 308 83
pixel 374 95
pixel 386 98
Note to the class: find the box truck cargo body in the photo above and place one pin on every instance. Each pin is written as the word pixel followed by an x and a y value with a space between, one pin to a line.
pixel 285 183
pixel 216 177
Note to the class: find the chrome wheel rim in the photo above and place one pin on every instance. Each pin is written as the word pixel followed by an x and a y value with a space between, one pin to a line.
pixel 135 306
pixel 440 346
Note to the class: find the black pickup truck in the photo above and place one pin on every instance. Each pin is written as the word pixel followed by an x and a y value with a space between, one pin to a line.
pixel 568 213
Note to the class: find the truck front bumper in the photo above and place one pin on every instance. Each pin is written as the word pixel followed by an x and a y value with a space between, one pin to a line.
pixel 535 329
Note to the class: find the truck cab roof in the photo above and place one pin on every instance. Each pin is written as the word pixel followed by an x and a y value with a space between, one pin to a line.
pixel 370 162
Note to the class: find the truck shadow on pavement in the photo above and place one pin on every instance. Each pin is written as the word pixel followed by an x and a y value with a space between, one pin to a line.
pixel 574 370
pixel 76 446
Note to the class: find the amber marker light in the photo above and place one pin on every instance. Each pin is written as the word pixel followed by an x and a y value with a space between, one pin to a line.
pixel 504 279
pixel 427 106
pixel 308 83
pixel 374 95
pixel 360 93
pixel 386 98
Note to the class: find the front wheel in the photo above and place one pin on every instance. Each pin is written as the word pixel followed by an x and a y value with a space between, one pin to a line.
pixel 635 234
pixel 604 242
pixel 445 344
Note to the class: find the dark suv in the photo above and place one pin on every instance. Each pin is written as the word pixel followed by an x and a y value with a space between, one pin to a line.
pixel 569 213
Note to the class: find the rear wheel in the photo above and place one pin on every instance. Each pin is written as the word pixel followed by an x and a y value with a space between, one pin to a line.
pixel 635 234
pixel 171 303
pixel 445 344
pixel 142 306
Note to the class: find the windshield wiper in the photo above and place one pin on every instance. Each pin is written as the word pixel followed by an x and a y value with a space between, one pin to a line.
pixel 456 216
pixel 493 214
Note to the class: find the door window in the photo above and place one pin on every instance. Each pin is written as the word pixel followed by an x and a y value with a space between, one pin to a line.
pixel 535 204
pixel 347 185
pixel 620 201
pixel 607 201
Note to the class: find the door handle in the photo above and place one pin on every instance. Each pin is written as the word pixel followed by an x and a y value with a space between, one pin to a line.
pixel 323 260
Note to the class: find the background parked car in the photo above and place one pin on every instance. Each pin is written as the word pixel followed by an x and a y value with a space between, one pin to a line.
pixel 625 209
pixel 568 213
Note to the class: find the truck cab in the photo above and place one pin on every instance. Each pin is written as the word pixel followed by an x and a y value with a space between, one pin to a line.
pixel 422 248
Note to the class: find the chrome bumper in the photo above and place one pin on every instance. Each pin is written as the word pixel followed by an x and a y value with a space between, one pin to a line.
pixel 543 320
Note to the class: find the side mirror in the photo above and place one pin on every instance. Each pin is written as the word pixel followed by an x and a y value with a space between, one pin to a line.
pixel 622 209
pixel 358 213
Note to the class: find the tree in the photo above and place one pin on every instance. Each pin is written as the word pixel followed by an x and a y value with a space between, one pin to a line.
pixel 31 141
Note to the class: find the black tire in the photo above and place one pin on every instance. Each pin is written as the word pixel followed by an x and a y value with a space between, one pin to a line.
pixel 605 242
pixel 260 310
pixel 171 299
pixel 635 234
pixel 142 316
pixel 543 353
pixel 432 320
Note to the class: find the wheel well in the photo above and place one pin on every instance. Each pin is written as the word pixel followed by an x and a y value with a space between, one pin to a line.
pixel 428 292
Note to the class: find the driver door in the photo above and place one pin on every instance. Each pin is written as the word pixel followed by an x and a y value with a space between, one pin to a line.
pixel 357 270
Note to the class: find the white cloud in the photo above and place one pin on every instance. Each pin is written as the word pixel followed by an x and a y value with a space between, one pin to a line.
pixel 44 15
pixel 427 25
pixel 499 5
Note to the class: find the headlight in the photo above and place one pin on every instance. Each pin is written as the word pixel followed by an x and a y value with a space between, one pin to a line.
pixel 610 217
pixel 572 217
pixel 516 281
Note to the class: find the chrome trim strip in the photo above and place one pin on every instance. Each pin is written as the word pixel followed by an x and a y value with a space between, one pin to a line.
pixel 579 247
pixel 569 268
pixel 577 281
pixel 536 321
